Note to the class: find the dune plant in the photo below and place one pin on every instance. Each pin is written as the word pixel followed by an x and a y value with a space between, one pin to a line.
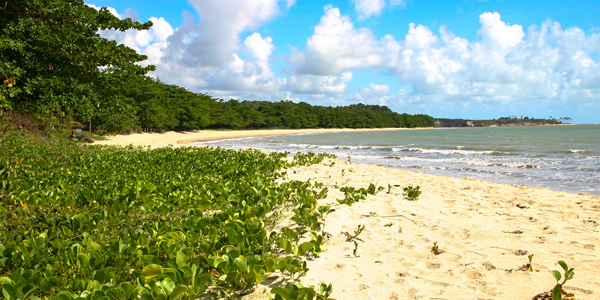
pixel 107 222
pixel 436 249
pixel 528 266
pixel 352 195
pixel 373 189
pixel 412 193
pixel 569 273
pixel 299 292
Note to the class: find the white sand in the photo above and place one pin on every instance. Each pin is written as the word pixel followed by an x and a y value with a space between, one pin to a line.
pixel 484 230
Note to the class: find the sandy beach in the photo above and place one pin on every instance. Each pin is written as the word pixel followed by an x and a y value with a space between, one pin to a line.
pixel 184 138
pixel 485 232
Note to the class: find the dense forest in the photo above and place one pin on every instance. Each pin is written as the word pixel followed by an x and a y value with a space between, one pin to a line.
pixel 56 68
pixel 159 106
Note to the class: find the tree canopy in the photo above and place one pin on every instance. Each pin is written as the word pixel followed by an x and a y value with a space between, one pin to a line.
pixel 54 62
pixel 161 106
pixel 55 65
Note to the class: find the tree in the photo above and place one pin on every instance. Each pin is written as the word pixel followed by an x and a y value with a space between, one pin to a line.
pixel 53 60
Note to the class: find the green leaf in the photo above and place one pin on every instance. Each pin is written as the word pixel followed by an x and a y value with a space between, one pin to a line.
pixel 178 292
pixel 259 276
pixel 65 296
pixel 181 259
pixel 570 274
pixel 241 264
pixel 151 271
pixel 557 292
pixel 306 246
pixel 556 274
pixel 9 291
pixel 563 265
pixel 168 286
pixel 282 293
pixel 84 259
pixel 286 245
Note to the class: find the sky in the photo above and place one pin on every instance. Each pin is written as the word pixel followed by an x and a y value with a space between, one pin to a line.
pixel 448 59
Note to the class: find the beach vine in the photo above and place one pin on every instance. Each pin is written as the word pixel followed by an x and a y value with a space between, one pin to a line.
pixel 133 222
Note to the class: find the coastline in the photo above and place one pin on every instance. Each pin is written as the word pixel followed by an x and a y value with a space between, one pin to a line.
pixel 485 231
pixel 184 138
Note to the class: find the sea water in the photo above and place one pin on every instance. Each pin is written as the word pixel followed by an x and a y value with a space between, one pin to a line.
pixel 562 158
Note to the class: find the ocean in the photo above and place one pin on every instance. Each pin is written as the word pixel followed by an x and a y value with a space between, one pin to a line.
pixel 562 158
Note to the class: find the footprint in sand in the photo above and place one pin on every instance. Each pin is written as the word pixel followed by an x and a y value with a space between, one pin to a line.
pixel 470 273
pixel 433 266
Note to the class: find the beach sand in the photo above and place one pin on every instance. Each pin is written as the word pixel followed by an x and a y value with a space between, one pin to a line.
pixel 183 138
pixel 484 230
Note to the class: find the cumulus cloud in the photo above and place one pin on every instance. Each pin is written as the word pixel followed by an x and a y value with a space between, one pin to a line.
pixel 337 45
pixel 505 65
pixel 369 8
pixel 373 91
pixel 221 23
pixel 320 85
pixel 251 75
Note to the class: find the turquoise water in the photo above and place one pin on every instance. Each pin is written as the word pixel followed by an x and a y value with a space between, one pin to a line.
pixel 563 158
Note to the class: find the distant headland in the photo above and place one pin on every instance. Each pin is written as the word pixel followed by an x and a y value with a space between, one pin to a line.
pixel 504 121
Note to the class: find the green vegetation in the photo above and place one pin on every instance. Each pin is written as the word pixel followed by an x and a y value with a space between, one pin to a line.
pixel 352 194
pixel 503 121
pixel 557 291
pixel 164 107
pixel 412 193
pixel 166 223
pixel 299 292
pixel 436 249
pixel 55 66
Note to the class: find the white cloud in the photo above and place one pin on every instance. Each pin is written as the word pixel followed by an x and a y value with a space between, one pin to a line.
pixel 369 8
pixel 497 34
pixel 320 85
pixel 337 45
pixel 221 23
pixel 371 92
pixel 507 65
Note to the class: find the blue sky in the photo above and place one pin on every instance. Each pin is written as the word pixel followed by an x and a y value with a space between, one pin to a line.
pixel 461 59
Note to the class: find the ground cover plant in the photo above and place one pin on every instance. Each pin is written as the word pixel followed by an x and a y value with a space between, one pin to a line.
pixel 130 223
pixel 413 193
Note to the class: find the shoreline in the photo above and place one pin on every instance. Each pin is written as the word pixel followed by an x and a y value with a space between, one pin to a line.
pixel 485 230
pixel 185 138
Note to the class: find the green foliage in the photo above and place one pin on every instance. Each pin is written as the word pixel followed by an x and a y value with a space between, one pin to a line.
pixel 299 292
pixel 412 193
pixel 352 195
pixel 55 64
pixel 568 275
pixel 390 224
pixel 132 223
pixel 304 159
pixel 54 60
pixel 373 189
pixel 436 249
